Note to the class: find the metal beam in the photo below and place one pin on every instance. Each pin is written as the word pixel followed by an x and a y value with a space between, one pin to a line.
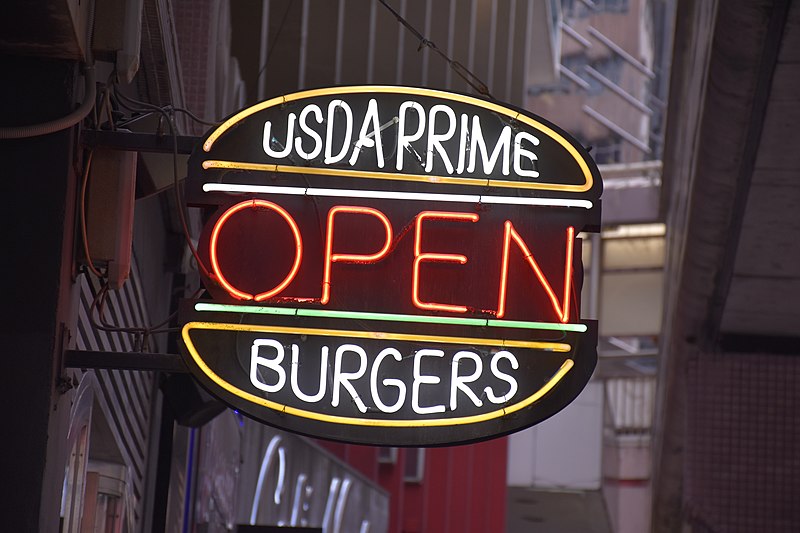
pixel 619 91
pixel 616 128
pixel 638 65
pixel 124 360
pixel 139 142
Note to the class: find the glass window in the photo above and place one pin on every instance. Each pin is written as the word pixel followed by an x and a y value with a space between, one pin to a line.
pixel 414 471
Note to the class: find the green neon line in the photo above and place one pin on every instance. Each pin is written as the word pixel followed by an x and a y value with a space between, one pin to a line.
pixel 358 315
pixel 536 325
pixel 245 309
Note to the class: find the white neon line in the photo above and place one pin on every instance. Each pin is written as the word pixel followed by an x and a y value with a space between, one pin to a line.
pixel 258 189
pixel 391 195
pixel 552 202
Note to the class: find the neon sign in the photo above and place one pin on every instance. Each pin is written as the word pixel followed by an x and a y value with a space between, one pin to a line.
pixel 392 266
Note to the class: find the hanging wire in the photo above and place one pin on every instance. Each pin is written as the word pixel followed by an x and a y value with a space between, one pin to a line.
pixel 463 72
pixel 141 334
pixel 170 120
pixel 97 309
pixel 274 41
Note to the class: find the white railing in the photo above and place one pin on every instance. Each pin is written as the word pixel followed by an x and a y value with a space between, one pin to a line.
pixel 630 401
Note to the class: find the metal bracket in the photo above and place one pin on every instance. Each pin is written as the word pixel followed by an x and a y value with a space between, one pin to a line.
pixel 163 362
pixel 139 142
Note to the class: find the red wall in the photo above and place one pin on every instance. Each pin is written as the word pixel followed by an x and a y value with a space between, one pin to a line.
pixel 463 488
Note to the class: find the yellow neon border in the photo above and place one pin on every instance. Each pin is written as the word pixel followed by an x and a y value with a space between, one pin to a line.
pixel 536 345
pixel 353 421
pixel 359 89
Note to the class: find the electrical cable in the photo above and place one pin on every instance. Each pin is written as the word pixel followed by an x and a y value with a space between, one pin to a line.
pixel 274 41
pixel 97 307
pixel 176 185
pixel 463 72
pixel 195 117
pixel 84 231
pixel 167 108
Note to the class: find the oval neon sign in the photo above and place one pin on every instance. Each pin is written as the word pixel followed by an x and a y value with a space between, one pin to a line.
pixel 392 266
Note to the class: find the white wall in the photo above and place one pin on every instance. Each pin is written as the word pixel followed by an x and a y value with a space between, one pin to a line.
pixel 563 452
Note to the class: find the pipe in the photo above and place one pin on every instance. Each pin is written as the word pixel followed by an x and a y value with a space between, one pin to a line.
pixel 67 121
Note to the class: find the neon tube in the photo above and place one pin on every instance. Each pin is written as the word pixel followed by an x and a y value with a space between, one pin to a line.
pixel 331 257
pixel 362 315
pixel 389 176
pixel 390 195
pixel 560 347
pixel 215 269
pixel 419 257
pixel 561 309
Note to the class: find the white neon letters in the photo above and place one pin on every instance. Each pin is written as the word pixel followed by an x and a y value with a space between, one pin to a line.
pixel 433 139
pixel 343 378
pixel 305 128
pixel 382 383
pixel 459 382
pixel 387 382
pixel 420 379
pixel 512 383
pixel 296 370
pixel 367 139
pixel 348 136
pixel 257 360
pixel 520 152
pixel 404 140
pixel 479 145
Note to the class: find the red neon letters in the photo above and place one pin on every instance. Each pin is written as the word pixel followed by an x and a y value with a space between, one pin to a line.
pixel 331 257
pixel 298 242
pixel 561 308
pixel 562 311
pixel 419 257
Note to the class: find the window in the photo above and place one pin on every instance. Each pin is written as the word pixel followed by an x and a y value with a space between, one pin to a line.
pixel 609 67
pixel 414 471
pixel 387 455
pixel 587 8
pixel 607 151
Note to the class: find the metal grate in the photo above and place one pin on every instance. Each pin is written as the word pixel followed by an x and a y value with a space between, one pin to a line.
pixel 743 436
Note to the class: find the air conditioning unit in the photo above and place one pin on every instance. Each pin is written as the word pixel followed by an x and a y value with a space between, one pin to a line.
pixel 110 197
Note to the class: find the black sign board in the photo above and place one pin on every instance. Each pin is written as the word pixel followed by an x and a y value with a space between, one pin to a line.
pixel 392 266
